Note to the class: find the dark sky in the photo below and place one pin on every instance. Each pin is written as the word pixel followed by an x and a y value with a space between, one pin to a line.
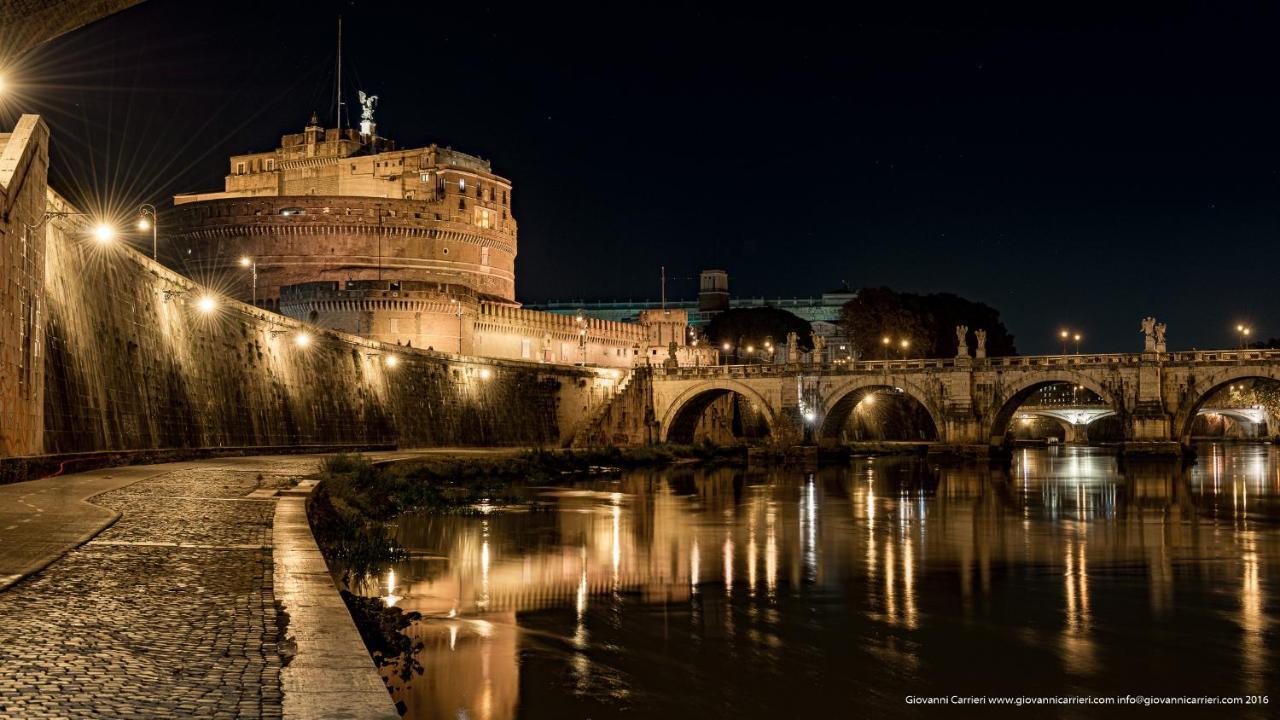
pixel 1073 170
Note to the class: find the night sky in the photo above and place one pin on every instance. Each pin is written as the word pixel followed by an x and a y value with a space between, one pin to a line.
pixel 1075 171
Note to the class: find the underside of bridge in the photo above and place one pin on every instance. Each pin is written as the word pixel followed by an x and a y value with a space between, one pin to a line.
pixel 24 24
pixel 718 416
pixel 877 413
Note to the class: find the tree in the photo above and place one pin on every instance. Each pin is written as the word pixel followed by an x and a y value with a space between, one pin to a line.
pixel 752 326
pixel 926 322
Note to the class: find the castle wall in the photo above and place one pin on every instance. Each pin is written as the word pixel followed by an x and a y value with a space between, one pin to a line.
pixel 128 369
pixel 24 163
pixel 334 238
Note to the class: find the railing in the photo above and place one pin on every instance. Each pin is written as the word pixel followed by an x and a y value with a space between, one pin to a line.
pixel 853 367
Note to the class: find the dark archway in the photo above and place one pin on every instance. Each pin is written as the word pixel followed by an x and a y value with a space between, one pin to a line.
pixel 720 416
pixel 1083 390
pixel 1228 392
pixel 877 412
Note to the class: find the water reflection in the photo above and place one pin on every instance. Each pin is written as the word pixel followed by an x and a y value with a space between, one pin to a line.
pixel 691 593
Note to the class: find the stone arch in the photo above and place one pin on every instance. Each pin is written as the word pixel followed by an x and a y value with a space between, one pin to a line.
pixel 1195 397
pixel 1012 396
pixel 838 404
pixel 683 413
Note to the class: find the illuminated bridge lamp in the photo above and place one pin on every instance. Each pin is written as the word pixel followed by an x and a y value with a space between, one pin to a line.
pixel 392 361
pixel 485 373
pixel 104 233
pixel 303 339
pixel 207 304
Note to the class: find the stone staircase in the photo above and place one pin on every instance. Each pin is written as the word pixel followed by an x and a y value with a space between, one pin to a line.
pixel 594 432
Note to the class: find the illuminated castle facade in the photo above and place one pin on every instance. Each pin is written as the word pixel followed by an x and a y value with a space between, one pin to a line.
pixel 413 246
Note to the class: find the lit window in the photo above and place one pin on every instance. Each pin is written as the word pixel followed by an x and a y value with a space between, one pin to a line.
pixel 271 164
pixel 525 348
pixel 462 184
pixel 395 325
pixel 239 168
pixel 482 217
pixel 484 256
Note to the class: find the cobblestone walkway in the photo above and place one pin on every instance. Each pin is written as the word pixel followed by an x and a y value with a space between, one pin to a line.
pixel 168 613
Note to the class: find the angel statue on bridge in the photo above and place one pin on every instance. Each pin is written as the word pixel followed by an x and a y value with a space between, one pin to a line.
pixel 1149 331
pixel 962 341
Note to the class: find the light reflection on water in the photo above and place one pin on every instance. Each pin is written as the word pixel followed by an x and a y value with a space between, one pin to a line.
pixel 709 593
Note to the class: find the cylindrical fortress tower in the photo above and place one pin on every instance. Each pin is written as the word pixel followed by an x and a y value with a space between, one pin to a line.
pixel 336 206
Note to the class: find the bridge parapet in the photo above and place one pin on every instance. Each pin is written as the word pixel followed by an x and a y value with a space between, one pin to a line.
pixel 973 400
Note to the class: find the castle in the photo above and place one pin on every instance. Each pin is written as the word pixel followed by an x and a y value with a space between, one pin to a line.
pixel 416 247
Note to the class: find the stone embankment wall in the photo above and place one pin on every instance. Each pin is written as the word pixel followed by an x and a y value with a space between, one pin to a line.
pixel 133 363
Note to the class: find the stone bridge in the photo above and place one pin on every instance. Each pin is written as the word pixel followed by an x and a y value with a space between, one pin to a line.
pixel 971 401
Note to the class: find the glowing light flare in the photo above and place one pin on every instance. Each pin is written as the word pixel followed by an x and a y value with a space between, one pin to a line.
pixel 104 233
pixel 485 373
pixel 207 304
pixel 144 224
pixel 246 261
pixel 392 361
pixel 303 339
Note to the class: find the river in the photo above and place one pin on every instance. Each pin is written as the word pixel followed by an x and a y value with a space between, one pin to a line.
pixel 778 593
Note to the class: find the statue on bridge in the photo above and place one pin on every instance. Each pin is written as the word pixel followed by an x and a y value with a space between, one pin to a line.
pixel 1160 346
pixel 819 344
pixel 962 341
pixel 793 348
pixel 981 336
pixel 1148 331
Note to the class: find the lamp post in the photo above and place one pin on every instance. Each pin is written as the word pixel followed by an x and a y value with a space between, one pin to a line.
pixel 904 345
pixel 252 264
pixel 458 312
pixel 1064 335
pixel 581 320
pixel 147 221
pixel 1243 331
pixel 1077 339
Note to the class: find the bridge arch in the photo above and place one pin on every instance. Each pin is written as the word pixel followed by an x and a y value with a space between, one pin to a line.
pixel 838 404
pixel 682 416
pixel 1012 396
pixel 1212 384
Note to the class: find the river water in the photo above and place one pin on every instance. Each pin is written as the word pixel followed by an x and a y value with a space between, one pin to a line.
pixel 776 593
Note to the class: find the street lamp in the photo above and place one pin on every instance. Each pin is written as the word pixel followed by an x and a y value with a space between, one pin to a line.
pixel 303 339
pixel 1077 339
pixel 1244 335
pixel 458 312
pixel 252 263
pixel 904 345
pixel 885 341
pixel 104 233
pixel 147 221
pixel 392 361
pixel 206 304
pixel 1064 335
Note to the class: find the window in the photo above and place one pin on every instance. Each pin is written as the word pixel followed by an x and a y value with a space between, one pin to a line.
pixel 271 164
pixel 479 192
pixel 462 204
pixel 526 348
pixel 564 351
pixel 482 217
pixel 504 197
pixel 426 177
pixel 239 168
pixel 462 184
pixel 395 325
pixel 484 256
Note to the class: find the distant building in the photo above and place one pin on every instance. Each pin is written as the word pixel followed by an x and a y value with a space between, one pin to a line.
pixel 822 312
